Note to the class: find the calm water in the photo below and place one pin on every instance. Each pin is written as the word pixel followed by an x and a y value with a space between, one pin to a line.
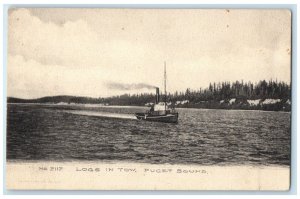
pixel 206 137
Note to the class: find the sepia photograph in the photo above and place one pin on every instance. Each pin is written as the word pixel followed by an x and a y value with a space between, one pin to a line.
pixel 148 99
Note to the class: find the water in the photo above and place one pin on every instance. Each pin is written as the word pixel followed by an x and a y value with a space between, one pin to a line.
pixel 204 137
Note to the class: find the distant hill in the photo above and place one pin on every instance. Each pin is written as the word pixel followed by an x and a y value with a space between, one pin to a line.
pixel 57 99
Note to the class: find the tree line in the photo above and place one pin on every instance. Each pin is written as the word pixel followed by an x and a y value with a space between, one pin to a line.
pixel 214 92
pixel 210 97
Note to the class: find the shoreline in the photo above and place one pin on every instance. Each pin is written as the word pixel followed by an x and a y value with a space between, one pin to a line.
pixel 126 106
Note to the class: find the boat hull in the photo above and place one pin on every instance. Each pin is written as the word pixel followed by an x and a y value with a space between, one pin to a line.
pixel 167 118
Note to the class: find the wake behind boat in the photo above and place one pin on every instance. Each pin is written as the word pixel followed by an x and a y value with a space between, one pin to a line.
pixel 160 112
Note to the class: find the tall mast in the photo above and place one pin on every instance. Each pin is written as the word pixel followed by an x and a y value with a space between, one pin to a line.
pixel 165 78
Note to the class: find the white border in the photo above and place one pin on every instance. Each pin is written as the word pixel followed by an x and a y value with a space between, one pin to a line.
pixel 124 2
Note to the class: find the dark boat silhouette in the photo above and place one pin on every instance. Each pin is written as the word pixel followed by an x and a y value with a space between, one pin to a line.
pixel 160 112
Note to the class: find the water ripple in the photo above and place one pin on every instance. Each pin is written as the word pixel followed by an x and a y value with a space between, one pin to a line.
pixel 207 137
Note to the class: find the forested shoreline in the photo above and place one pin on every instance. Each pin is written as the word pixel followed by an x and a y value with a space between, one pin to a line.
pixel 264 95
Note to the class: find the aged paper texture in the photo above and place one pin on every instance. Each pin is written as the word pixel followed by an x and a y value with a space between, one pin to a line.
pixel 148 99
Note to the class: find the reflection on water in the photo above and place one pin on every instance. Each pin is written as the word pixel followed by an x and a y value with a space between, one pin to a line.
pixel 206 137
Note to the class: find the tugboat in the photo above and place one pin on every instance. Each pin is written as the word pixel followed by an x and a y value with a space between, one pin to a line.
pixel 160 112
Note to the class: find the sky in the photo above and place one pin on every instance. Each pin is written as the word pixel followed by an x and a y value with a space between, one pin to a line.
pixel 82 52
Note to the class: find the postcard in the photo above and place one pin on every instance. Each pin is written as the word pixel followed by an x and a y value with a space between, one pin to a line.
pixel 148 99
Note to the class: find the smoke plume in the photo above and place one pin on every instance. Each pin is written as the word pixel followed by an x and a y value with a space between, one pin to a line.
pixel 118 86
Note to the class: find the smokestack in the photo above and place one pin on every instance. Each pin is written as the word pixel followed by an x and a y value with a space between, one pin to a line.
pixel 157 96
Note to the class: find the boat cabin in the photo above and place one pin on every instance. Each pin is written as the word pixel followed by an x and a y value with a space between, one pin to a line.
pixel 161 109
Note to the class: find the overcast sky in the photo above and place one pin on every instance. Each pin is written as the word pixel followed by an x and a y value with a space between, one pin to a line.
pixel 81 51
